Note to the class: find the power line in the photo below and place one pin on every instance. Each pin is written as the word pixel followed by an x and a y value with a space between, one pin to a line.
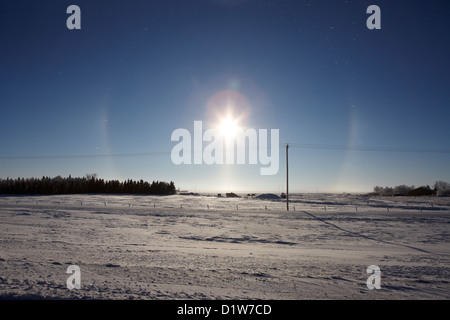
pixel 291 145
pixel 88 156
pixel 378 149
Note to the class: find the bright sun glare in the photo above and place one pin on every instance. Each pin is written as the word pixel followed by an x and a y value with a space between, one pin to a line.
pixel 229 127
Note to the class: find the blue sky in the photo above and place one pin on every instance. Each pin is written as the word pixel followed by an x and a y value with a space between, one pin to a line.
pixel 105 99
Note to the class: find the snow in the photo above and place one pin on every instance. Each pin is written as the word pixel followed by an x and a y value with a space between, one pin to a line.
pixel 206 247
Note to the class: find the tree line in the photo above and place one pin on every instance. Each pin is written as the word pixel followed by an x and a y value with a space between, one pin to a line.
pixel 440 188
pixel 88 184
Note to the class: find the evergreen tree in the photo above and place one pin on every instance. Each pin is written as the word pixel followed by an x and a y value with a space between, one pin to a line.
pixel 88 184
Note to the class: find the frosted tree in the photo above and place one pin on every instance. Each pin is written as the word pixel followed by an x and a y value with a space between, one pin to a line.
pixel 442 188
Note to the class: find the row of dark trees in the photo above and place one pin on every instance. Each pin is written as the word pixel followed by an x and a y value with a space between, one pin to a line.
pixel 88 184
pixel 441 188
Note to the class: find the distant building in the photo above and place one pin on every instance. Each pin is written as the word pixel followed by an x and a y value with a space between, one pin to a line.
pixel 421 191
pixel 231 195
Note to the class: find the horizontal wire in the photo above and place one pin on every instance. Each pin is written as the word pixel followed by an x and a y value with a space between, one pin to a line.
pixel 291 145
pixel 82 156
pixel 381 149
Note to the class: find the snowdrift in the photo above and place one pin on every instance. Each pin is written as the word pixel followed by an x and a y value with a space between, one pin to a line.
pixel 268 196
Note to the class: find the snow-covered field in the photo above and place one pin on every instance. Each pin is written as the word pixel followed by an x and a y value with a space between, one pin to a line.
pixel 204 247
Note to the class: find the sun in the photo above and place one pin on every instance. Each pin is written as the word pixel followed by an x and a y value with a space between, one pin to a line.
pixel 229 127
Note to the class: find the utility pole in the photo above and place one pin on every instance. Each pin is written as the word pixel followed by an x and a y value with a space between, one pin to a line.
pixel 287 177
